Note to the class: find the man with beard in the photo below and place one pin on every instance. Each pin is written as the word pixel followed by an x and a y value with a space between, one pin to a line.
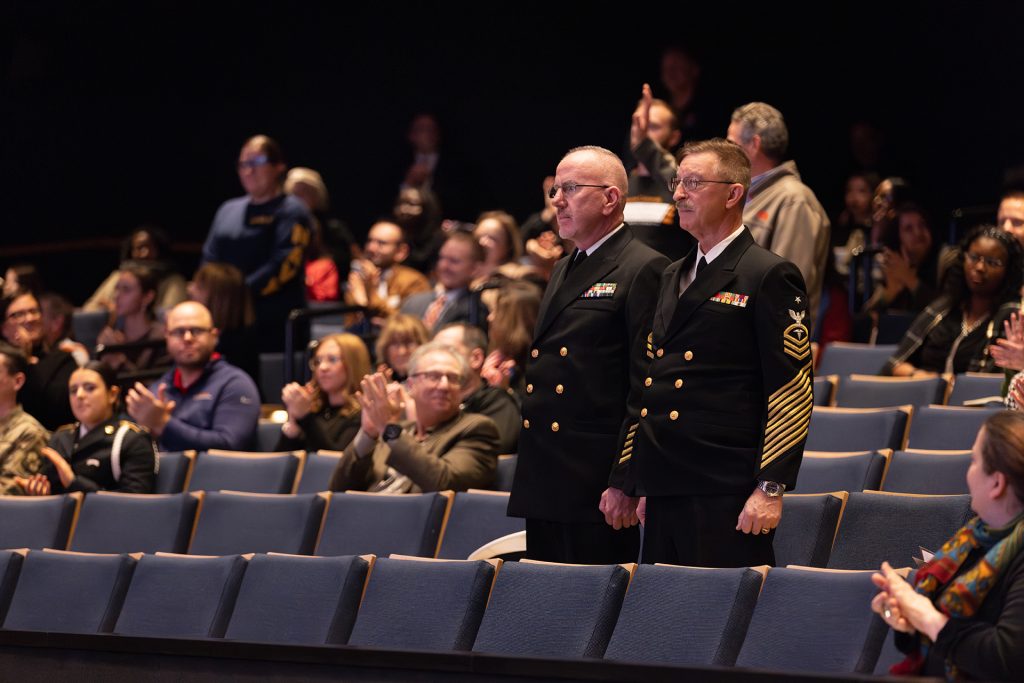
pixel 379 281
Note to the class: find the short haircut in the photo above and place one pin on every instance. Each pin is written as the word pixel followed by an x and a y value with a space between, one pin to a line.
pixel 733 164
pixel 612 168
pixel 438 347
pixel 473 336
pixel 13 358
pixel 54 305
pixel 477 252
pixel 764 120
pixel 268 146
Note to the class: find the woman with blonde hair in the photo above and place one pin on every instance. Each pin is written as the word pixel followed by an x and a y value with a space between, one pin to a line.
pixel 324 413
pixel 512 322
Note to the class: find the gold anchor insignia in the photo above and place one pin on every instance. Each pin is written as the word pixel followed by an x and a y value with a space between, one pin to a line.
pixel 795 339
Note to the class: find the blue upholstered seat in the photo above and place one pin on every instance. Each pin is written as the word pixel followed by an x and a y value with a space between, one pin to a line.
pixel 383 524
pixel 857 429
pixel 808 528
pixel 477 517
pixel 317 472
pixel 242 471
pixel 234 523
pixel 37 521
pixel 936 473
pixel 112 522
pixel 946 428
pixel 823 472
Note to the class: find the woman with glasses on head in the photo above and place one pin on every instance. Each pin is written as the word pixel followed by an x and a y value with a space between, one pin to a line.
pixel 953 333
pixel 44 394
pixel 324 413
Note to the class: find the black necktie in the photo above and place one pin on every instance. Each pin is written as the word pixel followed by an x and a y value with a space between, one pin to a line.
pixel 581 256
pixel 701 265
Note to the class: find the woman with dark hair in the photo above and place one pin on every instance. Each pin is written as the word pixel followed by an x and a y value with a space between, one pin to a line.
pixel 22 277
pixel 99 452
pixel 325 413
pixel 135 321
pixel 221 288
pixel 909 263
pixel 418 212
pixel 511 323
pixel 962 614
pixel 953 333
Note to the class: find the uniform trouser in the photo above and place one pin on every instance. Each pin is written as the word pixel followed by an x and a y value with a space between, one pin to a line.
pixel 700 531
pixel 581 542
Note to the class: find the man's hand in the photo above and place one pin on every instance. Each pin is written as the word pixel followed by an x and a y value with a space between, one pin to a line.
pixel 151 411
pixel 618 508
pixel 379 406
pixel 760 514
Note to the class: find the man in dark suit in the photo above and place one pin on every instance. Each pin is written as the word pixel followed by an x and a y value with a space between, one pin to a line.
pixel 582 374
pixel 727 391
pixel 452 300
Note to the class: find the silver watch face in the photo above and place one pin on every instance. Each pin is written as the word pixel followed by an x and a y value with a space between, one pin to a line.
pixel 771 488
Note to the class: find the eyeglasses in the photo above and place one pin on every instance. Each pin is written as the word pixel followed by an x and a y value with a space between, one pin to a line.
pixel 974 259
pixel 434 378
pixel 570 188
pixel 18 316
pixel 180 332
pixel 316 362
pixel 253 163
pixel 692 183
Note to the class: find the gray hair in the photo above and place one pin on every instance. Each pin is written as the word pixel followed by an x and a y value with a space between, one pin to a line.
pixel 764 120
pixel 438 347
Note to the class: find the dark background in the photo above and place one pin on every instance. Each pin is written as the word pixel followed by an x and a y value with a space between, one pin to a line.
pixel 116 113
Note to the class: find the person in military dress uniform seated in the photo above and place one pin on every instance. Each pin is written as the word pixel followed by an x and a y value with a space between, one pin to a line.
pixel 99 452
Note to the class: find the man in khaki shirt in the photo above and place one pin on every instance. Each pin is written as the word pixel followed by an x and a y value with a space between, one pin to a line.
pixel 21 435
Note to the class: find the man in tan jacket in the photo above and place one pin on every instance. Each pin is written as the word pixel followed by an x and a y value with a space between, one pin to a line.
pixel 380 281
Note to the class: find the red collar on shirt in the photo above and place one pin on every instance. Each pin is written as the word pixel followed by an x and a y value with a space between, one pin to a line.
pixel 179 385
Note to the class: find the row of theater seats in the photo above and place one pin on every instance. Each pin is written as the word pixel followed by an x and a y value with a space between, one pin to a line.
pixel 792 619
pixel 932 428
pixel 837 530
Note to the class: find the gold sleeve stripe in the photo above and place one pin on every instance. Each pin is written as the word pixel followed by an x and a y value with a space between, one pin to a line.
pixel 789 412
pixel 624 458
pixel 627 450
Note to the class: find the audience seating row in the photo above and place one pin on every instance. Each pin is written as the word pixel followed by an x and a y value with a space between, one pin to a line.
pixel 793 619
pixel 907 471
pixel 933 428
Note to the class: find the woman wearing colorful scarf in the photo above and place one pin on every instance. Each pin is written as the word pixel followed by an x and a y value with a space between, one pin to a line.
pixel 962 616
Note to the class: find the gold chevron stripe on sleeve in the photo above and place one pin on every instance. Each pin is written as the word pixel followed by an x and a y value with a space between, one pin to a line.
pixel 789 412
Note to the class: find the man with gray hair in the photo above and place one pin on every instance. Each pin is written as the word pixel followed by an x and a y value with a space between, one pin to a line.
pixel 781 212
pixel 443 448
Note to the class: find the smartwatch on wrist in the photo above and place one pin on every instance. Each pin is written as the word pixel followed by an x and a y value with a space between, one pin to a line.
pixel 391 432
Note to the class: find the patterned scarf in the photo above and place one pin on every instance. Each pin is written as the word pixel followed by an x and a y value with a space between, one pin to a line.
pixel 961 597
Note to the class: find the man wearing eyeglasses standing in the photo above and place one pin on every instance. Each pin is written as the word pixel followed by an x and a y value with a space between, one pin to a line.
pixel 203 401
pixel 582 385
pixel 727 387
pixel 443 448
pixel 264 234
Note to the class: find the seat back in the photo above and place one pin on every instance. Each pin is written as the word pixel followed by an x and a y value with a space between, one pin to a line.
pixel 476 518
pixel 317 472
pixel 87 325
pixel 807 529
pixel 37 522
pixel 847 358
pixel 944 428
pixel 686 616
pixel 932 472
pixel 178 596
pixel 422 604
pixel 271 373
pixel 858 429
pixel 267 434
pixel 822 472
pixel 552 610
pixel 879 526
pixel 174 470
pixel 824 389
pixel 69 592
pixel 298 600
pixel 814 620
pixel 232 523
pixel 506 471
pixel 382 524
pixel 10 566
pixel 112 522
pixel 972 386
pixel 889 655
pixel 865 391
pixel 243 471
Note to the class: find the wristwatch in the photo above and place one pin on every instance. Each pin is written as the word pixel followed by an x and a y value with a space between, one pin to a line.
pixel 772 489
pixel 391 432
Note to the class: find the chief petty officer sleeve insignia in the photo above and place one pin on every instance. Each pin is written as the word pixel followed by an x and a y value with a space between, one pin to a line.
pixel 627 446
pixel 795 339
pixel 789 411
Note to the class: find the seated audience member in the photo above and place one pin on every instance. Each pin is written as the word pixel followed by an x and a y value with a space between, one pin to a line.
pixel 401 335
pixel 202 402
pixel 150 246
pixel 498 234
pixel 324 414
pixel 99 452
pixel 264 234
pixel 453 300
pixel 22 438
pixel 135 321
pixel 954 332
pixel 379 281
pixel 221 288
pixel 443 448
pixel 57 311
pixel 541 243
pixel 22 277
pixel 1010 216
pixel 477 395
pixel 44 395
pixel 960 615
pixel 418 211
pixel 512 324
pixel 909 264
pixel 853 224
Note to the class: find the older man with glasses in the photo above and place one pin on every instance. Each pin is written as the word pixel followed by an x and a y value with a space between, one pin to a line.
pixel 203 401
pixel 443 448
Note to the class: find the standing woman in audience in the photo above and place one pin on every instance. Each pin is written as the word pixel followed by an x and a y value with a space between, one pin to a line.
pixel 99 452
pixel 953 333
pixel 324 414
pixel 135 321
pixel 511 324
pixel 963 614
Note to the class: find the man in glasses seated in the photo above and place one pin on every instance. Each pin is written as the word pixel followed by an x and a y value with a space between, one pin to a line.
pixel 443 448
pixel 203 401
